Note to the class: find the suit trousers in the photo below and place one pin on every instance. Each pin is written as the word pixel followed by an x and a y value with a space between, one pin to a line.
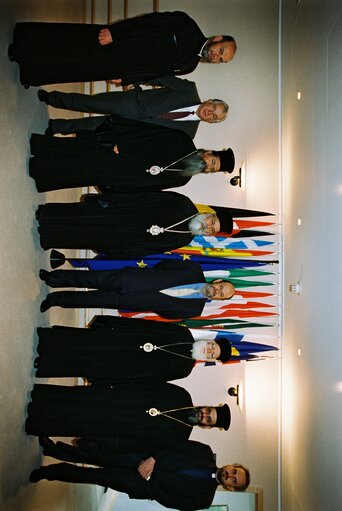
pixel 95 279
pixel 69 126
pixel 92 455
pixel 102 103
pixel 107 281
pixel 114 477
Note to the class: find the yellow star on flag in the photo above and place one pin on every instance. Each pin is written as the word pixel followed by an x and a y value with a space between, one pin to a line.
pixel 141 264
pixel 186 257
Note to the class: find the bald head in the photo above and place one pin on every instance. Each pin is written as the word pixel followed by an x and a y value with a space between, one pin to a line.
pixel 219 49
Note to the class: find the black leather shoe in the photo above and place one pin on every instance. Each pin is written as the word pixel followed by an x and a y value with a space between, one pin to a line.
pixel 43 275
pixel 45 305
pixel 46 443
pixel 37 475
pixel 49 131
pixel 10 52
pixel 43 96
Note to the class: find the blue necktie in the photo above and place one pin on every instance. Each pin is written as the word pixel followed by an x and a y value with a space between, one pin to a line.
pixel 200 473
pixel 196 287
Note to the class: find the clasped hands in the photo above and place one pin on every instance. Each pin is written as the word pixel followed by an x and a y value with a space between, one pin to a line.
pixel 146 467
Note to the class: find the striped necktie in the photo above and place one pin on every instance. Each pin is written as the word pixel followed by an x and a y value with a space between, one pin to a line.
pixel 170 116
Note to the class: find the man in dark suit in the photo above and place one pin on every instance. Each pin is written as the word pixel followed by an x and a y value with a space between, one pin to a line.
pixel 134 50
pixel 172 289
pixel 123 155
pixel 175 105
pixel 185 477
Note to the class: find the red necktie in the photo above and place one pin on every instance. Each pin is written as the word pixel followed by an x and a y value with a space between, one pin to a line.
pixel 170 116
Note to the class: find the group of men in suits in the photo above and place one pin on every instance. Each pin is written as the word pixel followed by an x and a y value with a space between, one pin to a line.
pixel 137 435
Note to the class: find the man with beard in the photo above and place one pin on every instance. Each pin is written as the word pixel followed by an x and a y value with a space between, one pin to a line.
pixel 172 289
pixel 122 155
pixel 120 418
pixel 175 104
pixel 134 50
pixel 117 350
pixel 185 477
pixel 128 224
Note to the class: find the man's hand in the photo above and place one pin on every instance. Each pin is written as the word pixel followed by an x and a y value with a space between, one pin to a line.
pixel 146 467
pixel 116 81
pixel 116 149
pixel 105 37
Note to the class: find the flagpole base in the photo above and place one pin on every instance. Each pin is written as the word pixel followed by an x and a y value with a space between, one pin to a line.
pixel 57 259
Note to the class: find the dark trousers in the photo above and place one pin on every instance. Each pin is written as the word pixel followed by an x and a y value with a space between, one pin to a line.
pixel 106 281
pixel 114 477
pixel 68 126
pixel 92 455
pixel 102 103
pixel 95 279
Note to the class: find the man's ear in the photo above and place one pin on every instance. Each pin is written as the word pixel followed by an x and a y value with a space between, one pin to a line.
pixel 217 38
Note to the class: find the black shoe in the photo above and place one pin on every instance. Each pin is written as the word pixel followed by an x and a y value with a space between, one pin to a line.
pixel 43 96
pixel 45 305
pixel 49 131
pixel 37 475
pixel 43 275
pixel 46 443
pixel 10 52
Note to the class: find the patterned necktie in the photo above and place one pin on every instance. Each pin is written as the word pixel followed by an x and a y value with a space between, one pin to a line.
pixel 170 116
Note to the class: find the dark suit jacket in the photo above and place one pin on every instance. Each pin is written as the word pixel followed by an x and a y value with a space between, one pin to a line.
pixel 136 104
pixel 143 48
pixel 140 289
pixel 172 41
pixel 134 289
pixel 148 104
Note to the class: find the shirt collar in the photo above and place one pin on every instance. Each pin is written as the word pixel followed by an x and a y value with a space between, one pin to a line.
pixel 200 53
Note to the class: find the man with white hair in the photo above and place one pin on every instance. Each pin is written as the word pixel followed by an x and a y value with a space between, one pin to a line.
pixel 116 350
pixel 128 224
pixel 175 104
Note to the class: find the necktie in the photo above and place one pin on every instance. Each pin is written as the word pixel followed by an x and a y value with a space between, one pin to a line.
pixel 174 115
pixel 185 291
pixel 200 473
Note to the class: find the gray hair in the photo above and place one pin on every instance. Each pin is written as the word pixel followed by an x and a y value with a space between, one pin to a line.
pixel 225 108
pixel 197 224
pixel 193 164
